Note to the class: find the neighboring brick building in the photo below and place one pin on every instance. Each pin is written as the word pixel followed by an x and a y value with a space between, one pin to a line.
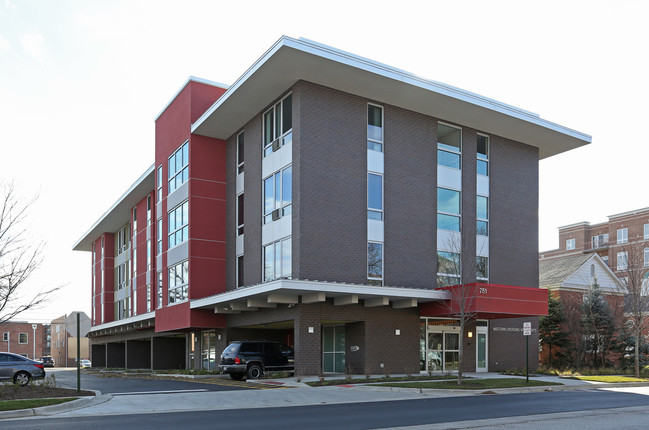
pixel 365 188
pixel 610 240
pixel 19 336
pixel 63 332
pixel 569 278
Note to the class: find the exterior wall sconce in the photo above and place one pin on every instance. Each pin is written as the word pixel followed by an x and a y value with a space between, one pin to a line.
pixel 470 334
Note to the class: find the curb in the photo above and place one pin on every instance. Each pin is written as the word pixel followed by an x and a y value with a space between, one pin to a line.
pixel 81 402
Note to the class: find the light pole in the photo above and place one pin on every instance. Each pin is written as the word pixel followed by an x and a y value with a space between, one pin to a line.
pixel 34 340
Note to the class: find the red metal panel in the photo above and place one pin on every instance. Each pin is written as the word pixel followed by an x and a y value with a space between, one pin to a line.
pixel 180 317
pixel 489 301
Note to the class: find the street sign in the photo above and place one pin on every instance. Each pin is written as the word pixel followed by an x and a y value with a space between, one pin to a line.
pixel 527 329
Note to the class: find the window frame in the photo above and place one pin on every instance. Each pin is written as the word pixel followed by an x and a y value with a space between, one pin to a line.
pixel 20 338
pixel 240 213
pixel 571 244
pixel 479 219
pixel 622 261
pixel 283 137
pixel 276 212
pixel 372 143
pixel 447 148
pixel 173 297
pixel 458 265
pixel 376 280
pixel 184 233
pixel 277 244
pixel 380 210
pixel 239 271
pixel 625 235
pixel 240 152
pixel 457 215
pixel 646 257
pixel 484 159
pixel 486 265
pixel 172 174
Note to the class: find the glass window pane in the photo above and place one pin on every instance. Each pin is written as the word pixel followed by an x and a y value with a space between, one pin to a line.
pixel 452 341
pixel 185 212
pixel 375 260
pixel 482 228
pixel 375 123
pixel 448 263
pixel 327 339
pixel 172 167
pixel 374 191
pixel 448 201
pixel 448 222
pixel 278 260
pixel 240 209
pixel 483 168
pixel 172 221
pixel 278 190
pixel 375 215
pixel 449 138
pixel 287 186
pixel 482 207
pixel 287 114
pixel 269 198
pixel 268 127
pixel 483 147
pixel 286 258
pixel 448 159
pixel 185 175
pixel 186 154
pixel 269 259
pixel 482 267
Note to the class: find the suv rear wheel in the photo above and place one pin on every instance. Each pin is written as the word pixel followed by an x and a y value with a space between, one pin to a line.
pixel 255 371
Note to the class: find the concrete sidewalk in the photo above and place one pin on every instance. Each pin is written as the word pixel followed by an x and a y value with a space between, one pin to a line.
pixel 295 394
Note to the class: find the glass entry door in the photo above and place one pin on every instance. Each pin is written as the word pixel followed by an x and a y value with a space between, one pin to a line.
pixel 208 350
pixel 442 349
pixel 481 349
pixel 333 349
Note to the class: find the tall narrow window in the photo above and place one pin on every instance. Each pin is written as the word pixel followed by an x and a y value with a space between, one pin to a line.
pixel 178 282
pixel 374 196
pixel 646 257
pixel 278 125
pixel 148 298
pixel 159 238
pixel 179 167
pixel 159 184
pixel 622 235
pixel 240 153
pixel 482 215
pixel 482 268
pixel 148 210
pixel 483 155
pixel 240 271
pixel 278 195
pixel 240 214
pixel 570 244
pixel 148 255
pixel 448 209
pixel 159 290
pixel 375 128
pixel 179 224
pixel 375 263
pixel 449 146
pixel 278 260
pixel 622 260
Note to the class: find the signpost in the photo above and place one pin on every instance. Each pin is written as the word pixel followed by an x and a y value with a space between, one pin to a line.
pixel 527 331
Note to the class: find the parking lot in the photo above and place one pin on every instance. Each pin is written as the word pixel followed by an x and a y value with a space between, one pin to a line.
pixel 128 384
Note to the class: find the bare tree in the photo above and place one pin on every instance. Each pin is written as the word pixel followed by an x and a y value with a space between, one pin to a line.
pixel 19 256
pixel 631 268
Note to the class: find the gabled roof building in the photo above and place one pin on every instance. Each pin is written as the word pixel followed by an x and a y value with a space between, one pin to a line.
pixel 321 200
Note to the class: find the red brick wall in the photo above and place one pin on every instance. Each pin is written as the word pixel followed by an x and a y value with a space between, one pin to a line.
pixel 13 345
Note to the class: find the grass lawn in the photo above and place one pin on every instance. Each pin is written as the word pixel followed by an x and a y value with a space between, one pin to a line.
pixel 609 378
pixel 471 384
pixel 12 405
pixel 328 382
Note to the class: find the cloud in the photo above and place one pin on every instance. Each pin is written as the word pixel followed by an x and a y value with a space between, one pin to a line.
pixel 10 5
pixel 34 45
pixel 5 45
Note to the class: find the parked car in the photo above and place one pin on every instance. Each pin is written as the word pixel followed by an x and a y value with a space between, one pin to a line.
pixel 86 364
pixel 252 358
pixel 19 369
pixel 48 361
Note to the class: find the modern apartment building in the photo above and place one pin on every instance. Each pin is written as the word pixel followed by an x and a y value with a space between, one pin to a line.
pixel 613 240
pixel 322 200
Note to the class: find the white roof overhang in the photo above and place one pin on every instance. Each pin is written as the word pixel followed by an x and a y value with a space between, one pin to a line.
pixel 120 212
pixel 290 60
pixel 291 291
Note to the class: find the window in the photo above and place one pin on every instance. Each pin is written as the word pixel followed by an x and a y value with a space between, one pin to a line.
pixel 148 255
pixel 159 184
pixel 622 235
pixel 5 336
pixel 22 338
pixel 240 271
pixel 448 268
pixel 159 290
pixel 449 146
pixel 645 231
pixel 374 196
pixel 134 233
pixel 178 282
pixel 123 239
pixel 482 215
pixel 448 209
pixel 570 244
pixel 240 153
pixel 482 268
pixel 278 126
pixel 375 128
pixel 148 210
pixel 375 263
pixel 277 260
pixel 599 241
pixel 622 260
pixel 646 257
pixel 122 309
pixel 159 238
pixel 179 224
pixel 122 276
pixel 134 262
pixel 278 195
pixel 179 167
pixel 240 214
pixel 483 155
pixel 148 298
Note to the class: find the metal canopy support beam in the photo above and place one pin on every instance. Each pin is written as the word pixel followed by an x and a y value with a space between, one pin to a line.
pixel 224 310
pixel 407 303
pixel 313 298
pixel 237 306
pixel 351 299
pixel 260 302
pixel 376 301
pixel 283 298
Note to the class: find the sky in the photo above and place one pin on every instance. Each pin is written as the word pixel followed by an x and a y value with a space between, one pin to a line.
pixel 81 83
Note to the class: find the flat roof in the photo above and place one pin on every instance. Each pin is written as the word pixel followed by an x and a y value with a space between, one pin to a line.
pixel 290 60
pixel 120 211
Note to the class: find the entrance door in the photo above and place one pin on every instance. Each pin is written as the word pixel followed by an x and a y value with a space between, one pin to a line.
pixel 481 349
pixel 208 350
pixel 443 348
pixel 333 349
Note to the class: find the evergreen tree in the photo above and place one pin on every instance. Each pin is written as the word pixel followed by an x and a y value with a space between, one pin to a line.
pixel 551 333
pixel 599 326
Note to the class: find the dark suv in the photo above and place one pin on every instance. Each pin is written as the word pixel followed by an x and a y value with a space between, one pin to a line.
pixel 252 358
